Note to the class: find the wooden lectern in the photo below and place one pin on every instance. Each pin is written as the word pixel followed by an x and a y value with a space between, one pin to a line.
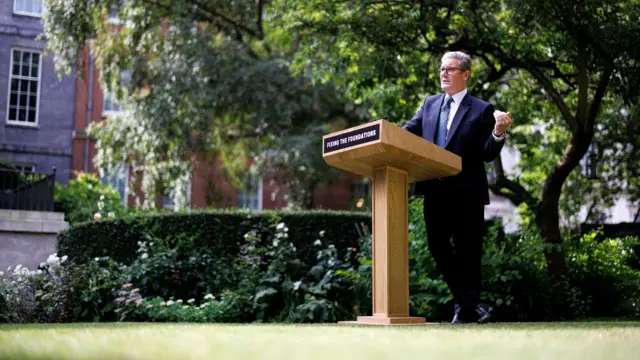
pixel 392 158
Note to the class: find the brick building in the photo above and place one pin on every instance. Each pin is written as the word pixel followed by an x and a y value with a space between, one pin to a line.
pixel 208 188
pixel 36 107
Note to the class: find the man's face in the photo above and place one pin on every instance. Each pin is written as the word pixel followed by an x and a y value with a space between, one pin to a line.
pixel 456 81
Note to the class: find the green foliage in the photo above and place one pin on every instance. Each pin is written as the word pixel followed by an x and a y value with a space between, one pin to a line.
pixel 84 197
pixel 221 232
pixel 607 267
pixel 220 87
pixel 276 274
pixel 564 70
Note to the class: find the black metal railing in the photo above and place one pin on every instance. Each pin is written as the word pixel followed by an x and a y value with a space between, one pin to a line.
pixel 27 191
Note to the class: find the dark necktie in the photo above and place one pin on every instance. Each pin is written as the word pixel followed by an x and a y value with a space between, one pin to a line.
pixel 441 134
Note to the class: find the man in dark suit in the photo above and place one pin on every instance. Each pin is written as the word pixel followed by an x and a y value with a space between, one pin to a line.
pixel 454 206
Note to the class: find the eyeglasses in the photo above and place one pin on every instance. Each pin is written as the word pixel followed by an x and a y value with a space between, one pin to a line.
pixel 449 70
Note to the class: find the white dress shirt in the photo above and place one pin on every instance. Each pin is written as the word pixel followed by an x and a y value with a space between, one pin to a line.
pixel 453 108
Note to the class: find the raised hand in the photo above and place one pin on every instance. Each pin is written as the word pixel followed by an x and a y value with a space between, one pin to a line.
pixel 503 121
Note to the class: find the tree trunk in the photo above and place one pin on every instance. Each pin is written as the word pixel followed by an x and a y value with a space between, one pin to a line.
pixel 547 214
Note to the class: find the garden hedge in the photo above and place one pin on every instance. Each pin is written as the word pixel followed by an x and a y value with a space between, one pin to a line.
pixel 222 231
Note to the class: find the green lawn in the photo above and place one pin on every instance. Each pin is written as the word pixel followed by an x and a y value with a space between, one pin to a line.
pixel 566 341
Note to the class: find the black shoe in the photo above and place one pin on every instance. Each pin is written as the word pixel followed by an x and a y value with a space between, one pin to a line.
pixel 484 313
pixel 456 315
pixel 460 318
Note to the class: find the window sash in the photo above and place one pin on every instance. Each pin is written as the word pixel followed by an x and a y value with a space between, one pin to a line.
pixel 249 197
pixel 28 7
pixel 23 94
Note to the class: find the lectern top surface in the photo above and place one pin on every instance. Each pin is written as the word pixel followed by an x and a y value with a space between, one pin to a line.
pixel 362 148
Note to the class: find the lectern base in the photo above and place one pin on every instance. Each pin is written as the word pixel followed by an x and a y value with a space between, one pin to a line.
pixel 374 320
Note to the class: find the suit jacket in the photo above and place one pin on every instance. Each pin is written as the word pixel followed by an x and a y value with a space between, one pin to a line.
pixel 470 137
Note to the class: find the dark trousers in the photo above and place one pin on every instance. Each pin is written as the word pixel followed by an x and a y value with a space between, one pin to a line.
pixel 455 233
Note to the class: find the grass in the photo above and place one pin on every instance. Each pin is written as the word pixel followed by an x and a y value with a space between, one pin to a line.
pixel 566 341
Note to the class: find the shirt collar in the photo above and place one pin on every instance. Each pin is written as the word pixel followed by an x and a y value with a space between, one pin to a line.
pixel 457 98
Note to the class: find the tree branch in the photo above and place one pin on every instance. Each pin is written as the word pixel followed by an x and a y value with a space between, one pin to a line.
pixel 583 82
pixel 237 26
pixel 594 109
pixel 510 189
pixel 555 96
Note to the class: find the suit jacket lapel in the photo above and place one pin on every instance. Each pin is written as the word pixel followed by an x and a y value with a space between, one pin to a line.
pixel 433 114
pixel 462 110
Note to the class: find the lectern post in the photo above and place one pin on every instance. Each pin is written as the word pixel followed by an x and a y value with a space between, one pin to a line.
pixel 392 158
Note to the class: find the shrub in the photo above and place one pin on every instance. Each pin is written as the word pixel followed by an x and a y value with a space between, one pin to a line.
pixel 221 232
pixel 271 284
pixel 267 277
pixel 85 196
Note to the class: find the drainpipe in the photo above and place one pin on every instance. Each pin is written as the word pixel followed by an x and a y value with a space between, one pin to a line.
pixel 89 109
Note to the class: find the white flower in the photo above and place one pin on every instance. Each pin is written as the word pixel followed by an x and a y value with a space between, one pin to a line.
pixel 321 233
pixel 280 226
pixel 96 259
pixel 111 214
pixel 63 259
pixel 317 242
pixel 170 302
pixel 209 296
pixel 97 216
pixel 191 301
pixel 275 243
pixel 144 256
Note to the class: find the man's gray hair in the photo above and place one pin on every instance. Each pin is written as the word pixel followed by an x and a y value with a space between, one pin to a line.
pixel 464 59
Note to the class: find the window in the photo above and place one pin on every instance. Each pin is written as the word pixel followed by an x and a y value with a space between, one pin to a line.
pixel 114 13
pixel 250 197
pixel 361 189
pixel 24 85
pixel 28 7
pixel 119 181
pixel 111 106
pixel 25 168
pixel 167 200
pixel 361 192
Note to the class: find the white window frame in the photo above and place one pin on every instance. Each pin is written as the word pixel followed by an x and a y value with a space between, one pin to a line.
pixel 11 77
pixel 27 13
pixel 124 170
pixel 240 193
pixel 108 112
pixel 125 78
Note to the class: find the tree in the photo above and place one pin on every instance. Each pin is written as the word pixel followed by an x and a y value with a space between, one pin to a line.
pixel 205 76
pixel 571 54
